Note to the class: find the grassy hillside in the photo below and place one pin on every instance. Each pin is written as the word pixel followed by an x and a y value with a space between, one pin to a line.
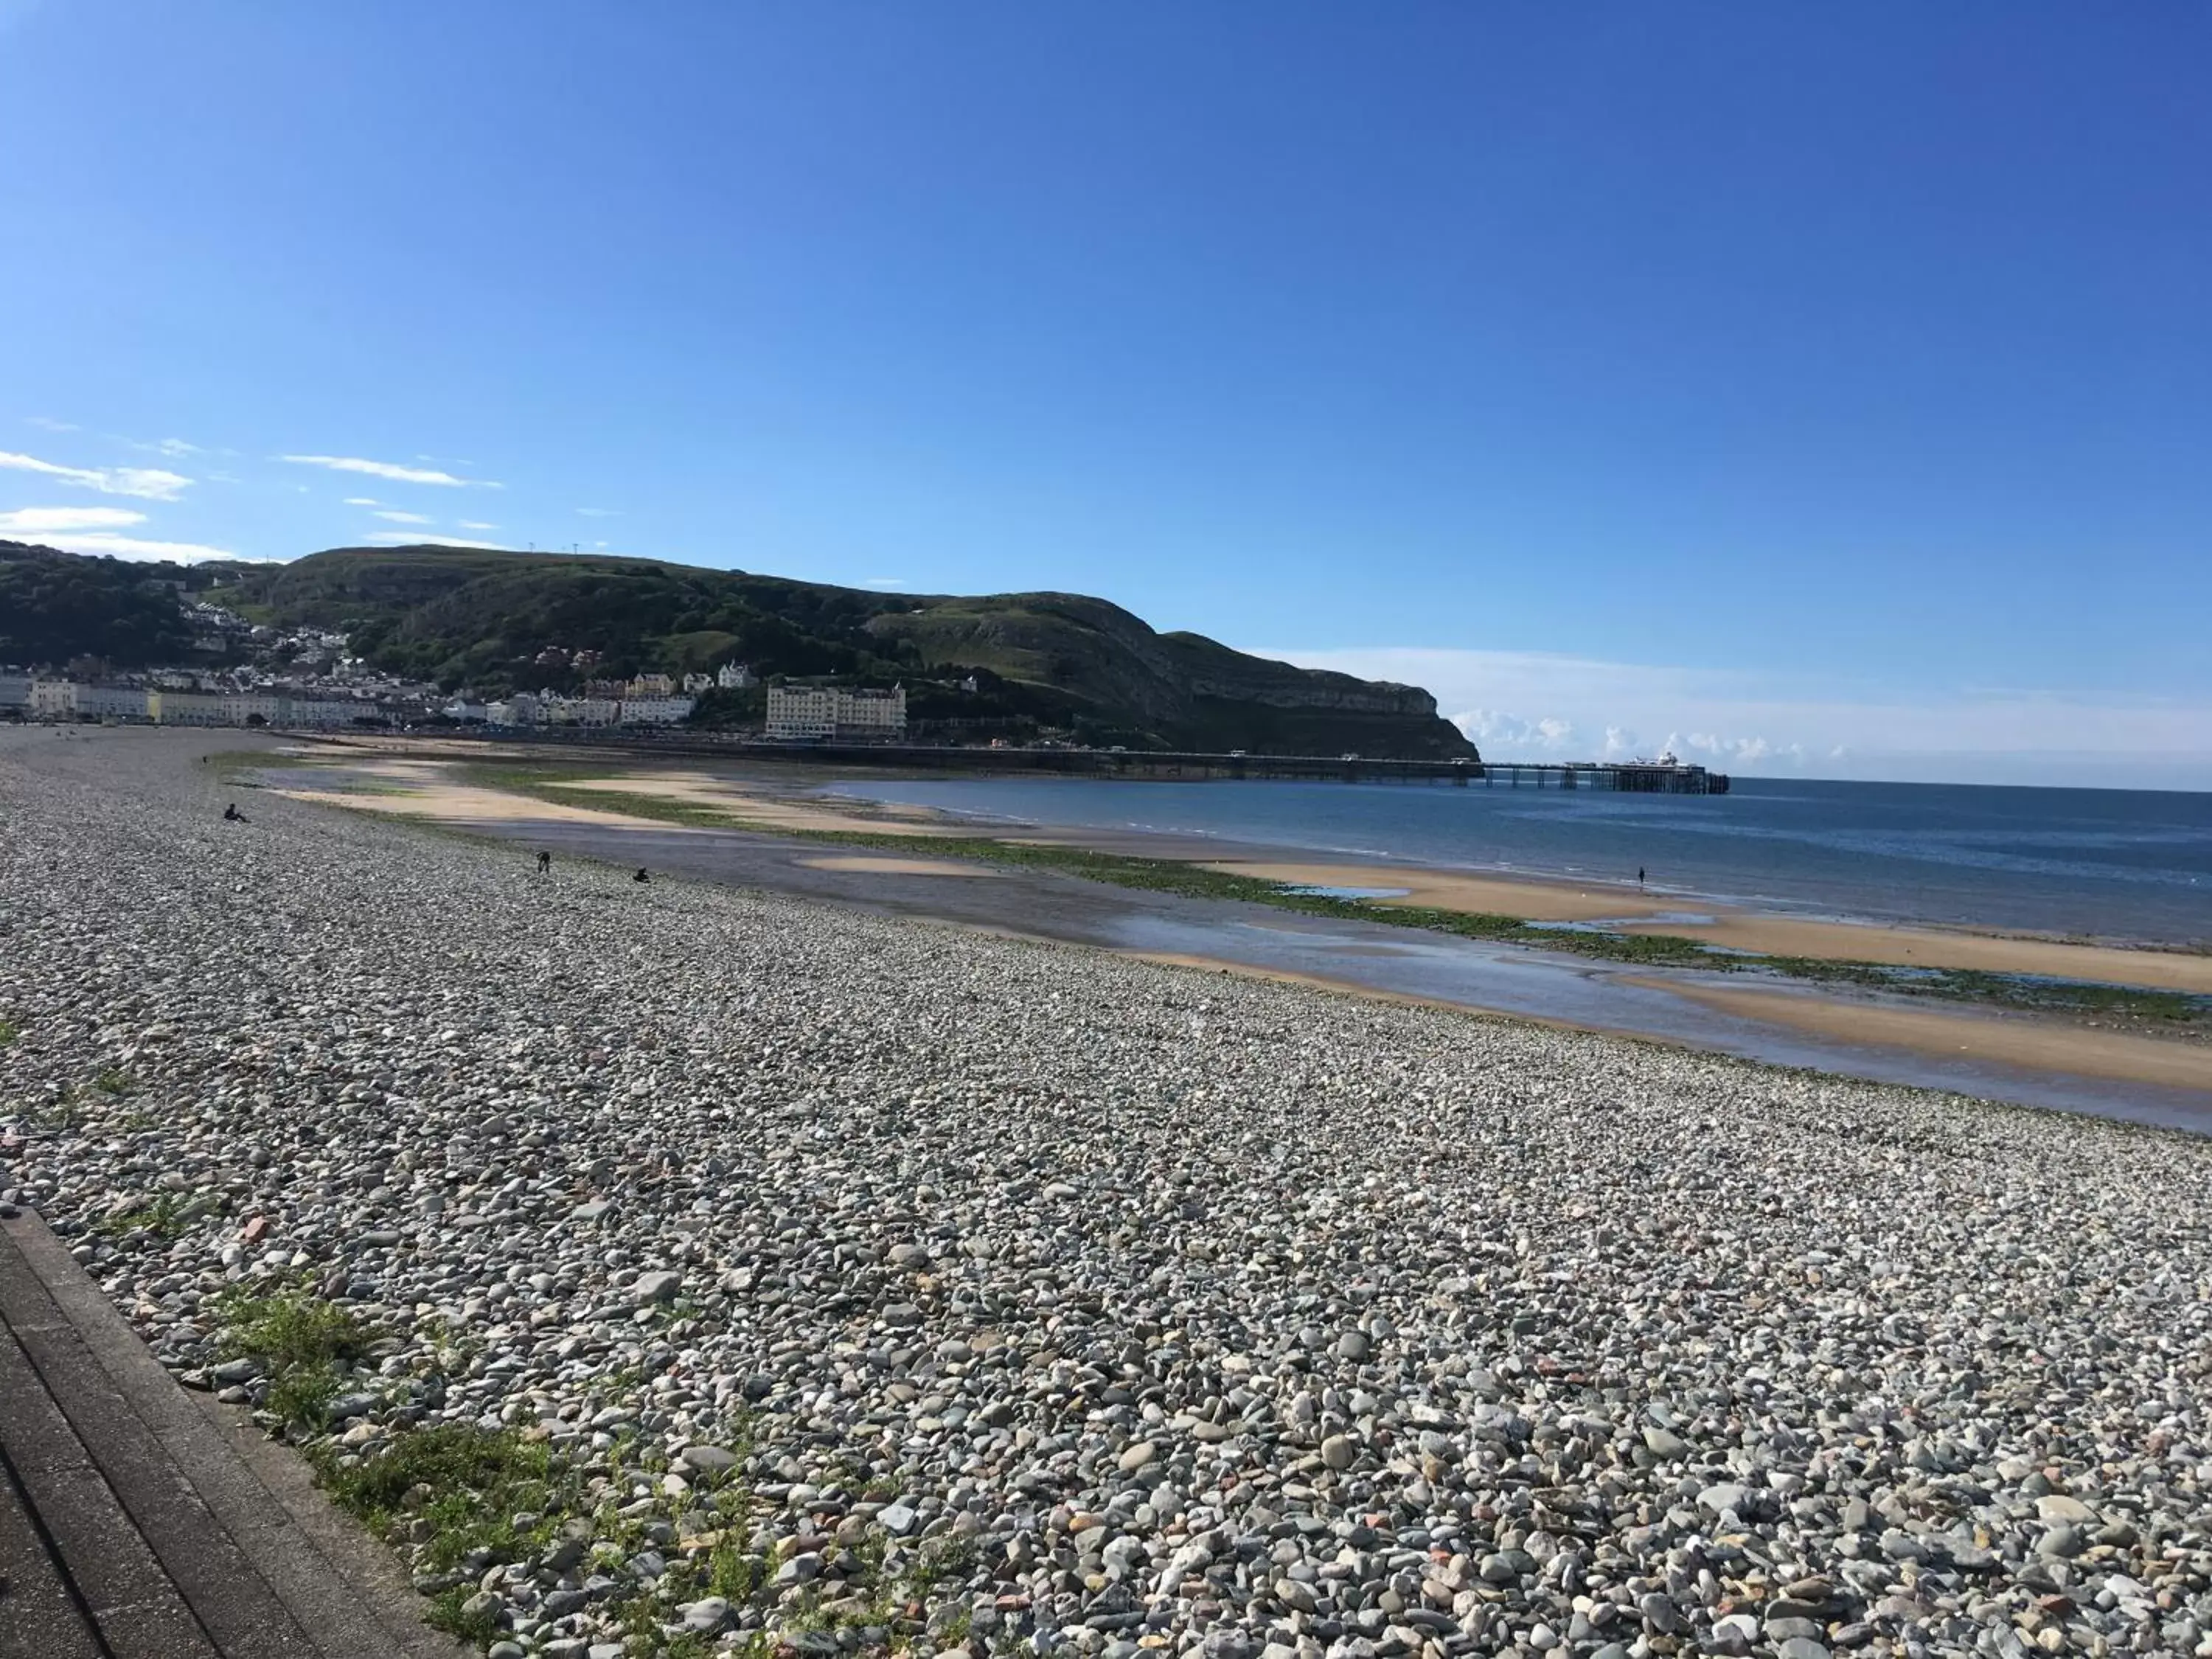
pixel 1058 660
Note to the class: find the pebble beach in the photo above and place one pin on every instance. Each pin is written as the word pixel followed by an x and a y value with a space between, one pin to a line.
pixel 841 1283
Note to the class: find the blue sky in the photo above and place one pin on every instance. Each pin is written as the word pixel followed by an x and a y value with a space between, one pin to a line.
pixel 1822 389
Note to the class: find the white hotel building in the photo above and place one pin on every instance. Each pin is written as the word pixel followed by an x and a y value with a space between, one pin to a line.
pixel 818 713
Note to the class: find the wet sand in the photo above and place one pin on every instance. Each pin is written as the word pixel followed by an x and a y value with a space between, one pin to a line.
pixel 762 806
pixel 1936 1034
pixel 899 866
pixel 417 789
pixel 1536 899
pixel 1532 899
pixel 2009 1040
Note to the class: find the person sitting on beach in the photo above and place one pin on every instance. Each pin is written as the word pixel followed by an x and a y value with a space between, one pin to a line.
pixel 640 875
pixel 232 815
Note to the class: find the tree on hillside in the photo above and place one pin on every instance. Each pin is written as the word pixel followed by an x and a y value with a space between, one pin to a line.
pixel 55 607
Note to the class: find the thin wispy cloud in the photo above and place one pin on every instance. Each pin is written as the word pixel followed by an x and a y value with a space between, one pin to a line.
pixel 398 474
pixel 43 521
pixel 475 523
pixel 100 542
pixel 148 484
pixel 598 513
pixel 396 517
pixel 400 538
pixel 176 448
pixel 48 423
pixel 363 500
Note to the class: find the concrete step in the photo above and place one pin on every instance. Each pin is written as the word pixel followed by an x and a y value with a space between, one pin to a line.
pixel 155 1521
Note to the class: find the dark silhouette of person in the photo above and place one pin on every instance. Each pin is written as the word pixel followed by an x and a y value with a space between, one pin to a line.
pixel 640 875
pixel 544 862
pixel 232 815
pixel 1639 875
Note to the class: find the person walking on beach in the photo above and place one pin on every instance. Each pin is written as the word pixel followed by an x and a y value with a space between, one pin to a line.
pixel 1639 875
pixel 544 863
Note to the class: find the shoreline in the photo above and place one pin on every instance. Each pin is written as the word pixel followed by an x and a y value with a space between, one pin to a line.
pixel 685 817
pixel 772 797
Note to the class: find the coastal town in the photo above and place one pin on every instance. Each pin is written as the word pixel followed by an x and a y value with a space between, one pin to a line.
pixel 794 712
pixel 307 681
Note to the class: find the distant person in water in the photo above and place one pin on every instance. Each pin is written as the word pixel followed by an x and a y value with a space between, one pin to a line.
pixel 640 875
pixel 232 815
pixel 1639 875
pixel 544 863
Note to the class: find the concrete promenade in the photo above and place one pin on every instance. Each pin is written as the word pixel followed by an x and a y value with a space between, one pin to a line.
pixel 139 1522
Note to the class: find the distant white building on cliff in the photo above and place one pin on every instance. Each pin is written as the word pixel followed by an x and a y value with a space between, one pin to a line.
pixel 819 712
pixel 734 676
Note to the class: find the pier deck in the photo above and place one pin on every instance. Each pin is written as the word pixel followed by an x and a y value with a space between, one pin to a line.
pixel 1636 777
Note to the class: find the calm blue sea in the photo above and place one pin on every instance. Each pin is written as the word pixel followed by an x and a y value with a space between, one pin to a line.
pixel 2116 863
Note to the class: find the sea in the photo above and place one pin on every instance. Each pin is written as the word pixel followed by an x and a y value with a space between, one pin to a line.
pixel 2131 865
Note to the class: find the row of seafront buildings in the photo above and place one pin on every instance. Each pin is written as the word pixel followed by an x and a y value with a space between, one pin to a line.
pixel 532 708
pixel 796 713
pixel 644 700
pixel 47 699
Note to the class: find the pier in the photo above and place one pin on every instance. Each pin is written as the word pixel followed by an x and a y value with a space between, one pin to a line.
pixel 1661 777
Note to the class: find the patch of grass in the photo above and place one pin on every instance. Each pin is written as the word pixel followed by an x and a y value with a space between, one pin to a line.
pixel 165 1215
pixel 733 1571
pixel 10 1033
pixel 111 1081
pixel 300 1341
pixel 468 1483
pixel 448 1613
